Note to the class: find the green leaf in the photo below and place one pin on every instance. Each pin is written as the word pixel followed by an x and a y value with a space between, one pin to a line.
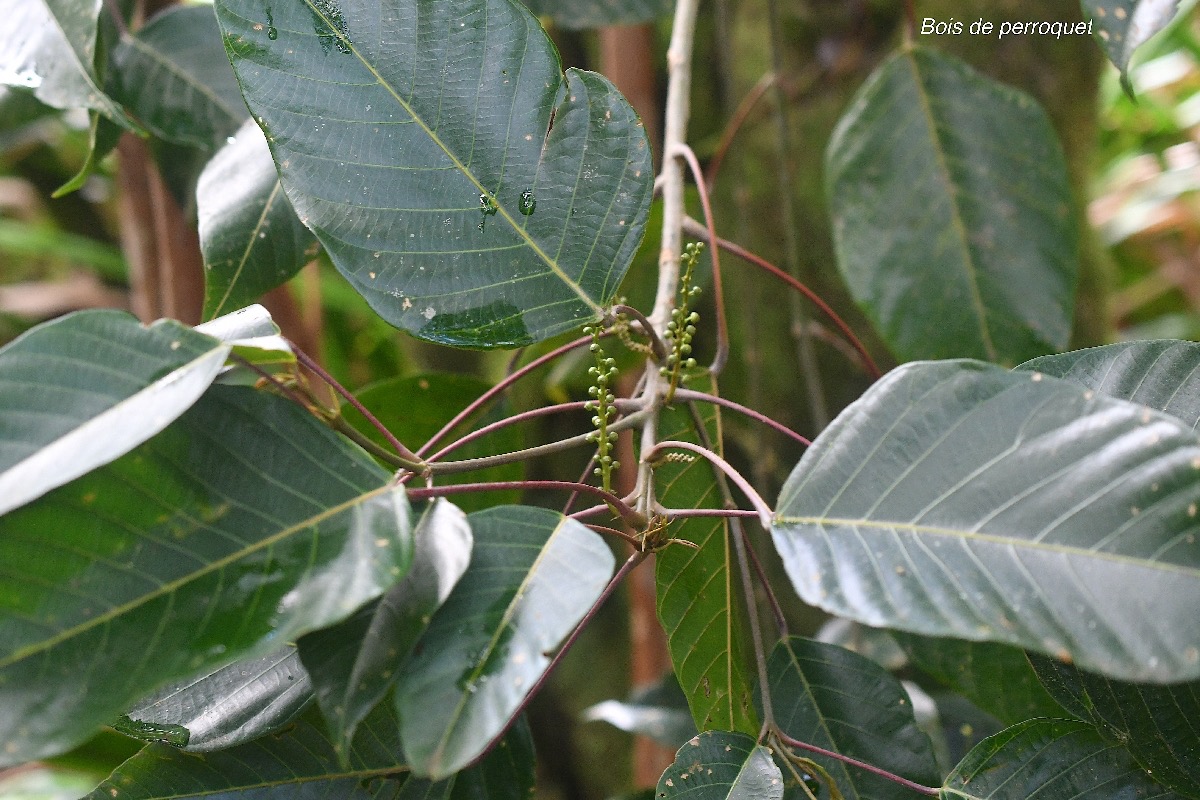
pixel 174 77
pixel 102 140
pixel 234 704
pixel 717 765
pixel 960 500
pixel 505 773
pixel 533 575
pixel 950 201
pixel 412 142
pixel 1157 724
pixel 298 762
pixel 49 46
pixel 659 711
pixel 254 338
pixel 1049 758
pixel 355 663
pixel 831 697
pixel 580 14
pixel 240 527
pixel 699 590
pixel 1163 375
pixel 416 407
pixel 1125 25
pixel 996 677
pixel 251 238
pixel 79 391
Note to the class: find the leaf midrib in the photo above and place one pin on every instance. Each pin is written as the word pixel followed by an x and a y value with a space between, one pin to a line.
pixel 172 586
pixel 458 164
pixel 157 56
pixel 988 538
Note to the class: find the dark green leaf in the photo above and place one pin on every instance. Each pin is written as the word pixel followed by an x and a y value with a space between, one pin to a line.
pixel 995 677
pixel 576 14
pixel 1052 759
pixel 699 590
pixel 236 703
pixel 533 575
pixel 251 238
pixel 412 138
pixel 830 697
pixel 717 765
pixel 356 662
pixel 659 711
pixel 950 201
pixel 1159 725
pixel 240 527
pixel 960 500
pixel 1164 375
pixel 414 408
pixel 174 77
pixel 505 773
pixel 79 391
pixel 1125 25
pixel 102 140
pixel 254 339
pixel 297 763
pixel 49 46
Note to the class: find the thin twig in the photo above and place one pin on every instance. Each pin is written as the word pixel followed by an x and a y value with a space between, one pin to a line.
pixel 722 353
pixel 694 228
pixel 114 11
pixel 760 505
pixel 631 517
pixel 704 397
pixel 760 659
pixel 740 115
pixel 396 444
pixel 499 388
pixel 854 762
pixel 772 600
pixel 589 512
pixel 633 540
pixel 685 513
pixel 343 427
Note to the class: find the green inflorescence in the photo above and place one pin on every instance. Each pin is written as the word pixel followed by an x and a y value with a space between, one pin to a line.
pixel 682 326
pixel 602 403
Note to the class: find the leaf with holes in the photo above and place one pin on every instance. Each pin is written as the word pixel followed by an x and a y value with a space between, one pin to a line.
pixel 1049 758
pixel 1125 25
pixel 951 202
pixel 995 677
pixel 79 391
pixel 174 77
pixel 699 590
pixel 251 238
pixel 961 500
pixel 232 705
pixel 240 527
pixel 718 765
pixel 467 189
pixel 1163 375
pixel 1157 724
pixel 355 663
pixel 533 575
pixel 833 698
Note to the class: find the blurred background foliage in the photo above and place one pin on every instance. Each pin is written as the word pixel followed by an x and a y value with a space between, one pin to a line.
pixel 771 79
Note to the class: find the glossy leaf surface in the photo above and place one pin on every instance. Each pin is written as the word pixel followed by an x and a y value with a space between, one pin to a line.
pixel 718 765
pixel 49 46
pixel 699 590
pixel 79 391
pixel 243 525
pixel 1163 375
pixel 532 577
pixel 830 697
pixel 250 236
pixel 1159 725
pixel 236 703
pixel 505 773
pixel 1049 758
pixel 416 407
pixel 174 77
pixel 998 678
pixel 1125 25
pixel 577 14
pixel 356 662
pixel 950 202
pixel 960 500
pixel 415 140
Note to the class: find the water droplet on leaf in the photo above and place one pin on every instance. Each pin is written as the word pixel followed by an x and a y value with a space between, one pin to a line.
pixel 528 202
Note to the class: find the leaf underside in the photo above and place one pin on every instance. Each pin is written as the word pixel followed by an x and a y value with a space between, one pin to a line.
pixel 1125 25
pixel 960 500
pixel 429 169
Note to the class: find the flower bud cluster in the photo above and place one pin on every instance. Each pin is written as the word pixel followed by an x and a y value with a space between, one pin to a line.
pixel 682 326
pixel 603 404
